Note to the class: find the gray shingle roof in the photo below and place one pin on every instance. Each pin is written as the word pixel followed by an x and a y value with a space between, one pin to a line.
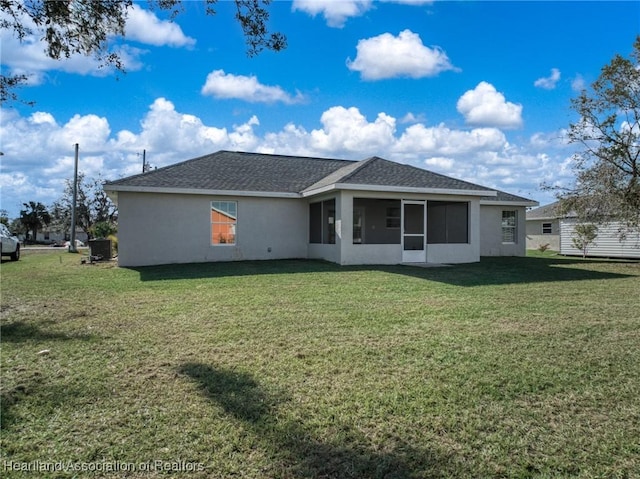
pixel 504 197
pixel 237 171
pixel 545 212
pixel 381 172
pixel 258 172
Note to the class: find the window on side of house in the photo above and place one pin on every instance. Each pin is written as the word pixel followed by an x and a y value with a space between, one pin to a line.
pixel 315 223
pixel 447 222
pixel 322 222
pixel 546 228
pixel 509 227
pixel 224 218
pixel 393 217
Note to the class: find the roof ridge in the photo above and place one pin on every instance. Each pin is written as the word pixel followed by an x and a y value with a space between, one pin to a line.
pixel 482 187
pixel 279 155
pixel 360 165
pixel 422 170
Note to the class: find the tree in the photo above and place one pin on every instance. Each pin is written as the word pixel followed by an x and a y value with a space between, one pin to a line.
pixel 93 206
pixel 4 217
pixel 103 229
pixel 584 236
pixel 16 227
pixel 607 186
pixel 34 217
pixel 87 26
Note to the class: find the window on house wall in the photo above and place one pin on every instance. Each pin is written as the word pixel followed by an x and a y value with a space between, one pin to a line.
pixel 370 221
pixel 509 227
pixel 358 225
pixel 447 222
pixel 546 228
pixel 224 218
pixel 322 222
pixel 315 222
pixel 393 217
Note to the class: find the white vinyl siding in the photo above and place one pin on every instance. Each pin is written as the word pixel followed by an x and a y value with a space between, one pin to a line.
pixel 607 244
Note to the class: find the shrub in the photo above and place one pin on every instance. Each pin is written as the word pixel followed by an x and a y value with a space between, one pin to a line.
pixel 114 244
pixel 543 247
pixel 103 229
pixel 584 236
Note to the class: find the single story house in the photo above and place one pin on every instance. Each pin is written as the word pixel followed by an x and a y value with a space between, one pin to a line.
pixel 49 235
pixel 230 206
pixel 543 227
pixel 546 226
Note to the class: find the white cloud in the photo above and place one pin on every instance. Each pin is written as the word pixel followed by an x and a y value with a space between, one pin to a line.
pixel 578 83
pixel 41 117
pixel 347 130
pixel 386 56
pixel 412 118
pixel 144 26
pixel 550 82
pixel 90 131
pixel 479 155
pixel 227 86
pixel 29 57
pixel 443 141
pixel 485 106
pixel 335 12
pixel 166 131
pixel 440 163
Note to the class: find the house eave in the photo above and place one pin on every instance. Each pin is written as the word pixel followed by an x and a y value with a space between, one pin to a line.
pixel 509 203
pixel 396 189
pixel 197 191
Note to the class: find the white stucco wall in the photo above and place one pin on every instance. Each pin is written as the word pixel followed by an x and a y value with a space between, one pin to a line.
pixel 535 238
pixel 159 228
pixel 173 228
pixel 491 231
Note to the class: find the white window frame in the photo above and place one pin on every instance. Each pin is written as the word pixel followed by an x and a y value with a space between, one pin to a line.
pixel 234 223
pixel 509 226
pixel 393 217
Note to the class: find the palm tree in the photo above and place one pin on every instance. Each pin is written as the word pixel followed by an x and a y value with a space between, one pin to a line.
pixel 34 217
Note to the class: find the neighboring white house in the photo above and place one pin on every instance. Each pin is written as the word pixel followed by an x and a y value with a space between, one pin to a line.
pixel 607 243
pixel 53 236
pixel 230 206
pixel 546 226
pixel 543 227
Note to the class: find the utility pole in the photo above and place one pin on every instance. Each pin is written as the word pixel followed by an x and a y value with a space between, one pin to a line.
pixel 144 161
pixel 72 244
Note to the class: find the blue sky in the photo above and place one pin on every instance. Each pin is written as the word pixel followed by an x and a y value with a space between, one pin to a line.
pixel 475 90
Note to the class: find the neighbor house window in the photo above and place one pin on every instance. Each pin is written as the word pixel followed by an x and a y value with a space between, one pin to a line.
pixel 393 217
pixel 509 227
pixel 224 218
pixel 546 228
pixel 322 222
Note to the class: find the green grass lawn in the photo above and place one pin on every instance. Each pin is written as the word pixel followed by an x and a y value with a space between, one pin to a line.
pixel 512 367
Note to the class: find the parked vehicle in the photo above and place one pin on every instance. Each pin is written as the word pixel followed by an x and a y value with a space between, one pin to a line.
pixel 10 244
pixel 78 243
